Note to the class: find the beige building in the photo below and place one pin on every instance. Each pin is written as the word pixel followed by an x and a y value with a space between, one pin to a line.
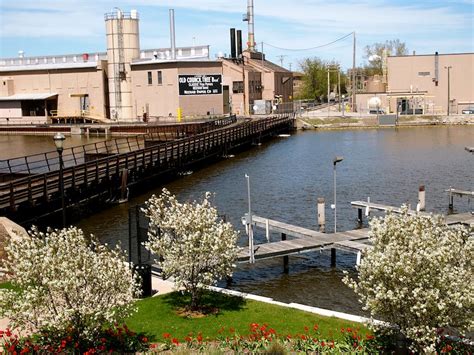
pixel 243 83
pixel 128 84
pixel 420 82
pixel 163 88
pixel 38 91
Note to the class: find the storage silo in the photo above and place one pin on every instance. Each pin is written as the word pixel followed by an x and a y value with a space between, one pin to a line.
pixel 123 45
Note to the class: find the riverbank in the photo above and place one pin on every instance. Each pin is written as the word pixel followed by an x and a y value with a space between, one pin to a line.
pixel 354 121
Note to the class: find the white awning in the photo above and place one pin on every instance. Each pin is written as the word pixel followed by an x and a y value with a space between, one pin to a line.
pixel 33 96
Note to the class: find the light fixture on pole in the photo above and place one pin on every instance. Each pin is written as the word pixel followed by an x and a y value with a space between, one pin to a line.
pixel 249 224
pixel 449 87
pixel 336 160
pixel 59 142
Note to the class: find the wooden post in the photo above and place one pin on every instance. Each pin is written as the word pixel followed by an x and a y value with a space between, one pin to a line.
pixel 359 255
pixel 451 201
pixel 123 187
pixel 333 257
pixel 286 267
pixel 321 215
pixel 421 198
pixel 267 231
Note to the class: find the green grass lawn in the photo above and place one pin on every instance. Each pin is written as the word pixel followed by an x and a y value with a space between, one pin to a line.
pixel 158 315
pixel 329 121
pixel 6 285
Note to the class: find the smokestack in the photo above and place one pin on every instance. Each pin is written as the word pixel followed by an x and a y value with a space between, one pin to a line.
pixel 250 18
pixel 232 43
pixel 172 35
pixel 239 43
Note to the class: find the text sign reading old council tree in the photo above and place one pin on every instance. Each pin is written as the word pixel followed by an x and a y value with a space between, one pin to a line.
pixel 200 84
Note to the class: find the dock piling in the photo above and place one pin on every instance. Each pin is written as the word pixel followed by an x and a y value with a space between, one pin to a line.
pixel 333 257
pixel 359 217
pixel 286 267
pixel 421 198
pixel 321 215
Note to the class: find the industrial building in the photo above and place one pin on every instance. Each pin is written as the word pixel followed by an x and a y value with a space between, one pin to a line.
pixel 422 84
pixel 126 83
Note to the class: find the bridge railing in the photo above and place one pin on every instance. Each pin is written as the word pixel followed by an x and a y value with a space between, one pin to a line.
pixel 49 161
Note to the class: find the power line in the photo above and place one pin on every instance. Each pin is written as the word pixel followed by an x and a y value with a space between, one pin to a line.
pixel 308 49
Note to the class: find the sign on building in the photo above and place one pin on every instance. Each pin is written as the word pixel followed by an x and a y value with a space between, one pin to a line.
pixel 200 84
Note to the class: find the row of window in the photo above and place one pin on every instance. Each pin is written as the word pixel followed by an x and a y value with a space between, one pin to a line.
pixel 159 77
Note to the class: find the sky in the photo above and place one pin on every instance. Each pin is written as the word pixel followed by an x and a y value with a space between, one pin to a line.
pixel 49 27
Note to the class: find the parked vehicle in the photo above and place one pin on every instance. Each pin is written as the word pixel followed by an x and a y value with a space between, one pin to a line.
pixel 468 111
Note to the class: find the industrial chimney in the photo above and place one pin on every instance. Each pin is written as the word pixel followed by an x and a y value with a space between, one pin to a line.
pixel 249 17
pixel 172 35
pixel 233 53
pixel 239 43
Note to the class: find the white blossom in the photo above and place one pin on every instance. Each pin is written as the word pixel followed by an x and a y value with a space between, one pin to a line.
pixel 418 276
pixel 193 245
pixel 66 280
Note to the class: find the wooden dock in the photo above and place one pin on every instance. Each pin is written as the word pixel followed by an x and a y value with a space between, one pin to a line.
pixel 303 240
pixel 466 219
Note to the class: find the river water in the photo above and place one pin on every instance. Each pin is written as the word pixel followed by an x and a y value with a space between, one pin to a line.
pixel 287 176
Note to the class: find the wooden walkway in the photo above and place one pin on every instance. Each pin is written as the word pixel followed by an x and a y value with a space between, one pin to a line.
pixel 304 240
pixel 104 177
pixel 466 219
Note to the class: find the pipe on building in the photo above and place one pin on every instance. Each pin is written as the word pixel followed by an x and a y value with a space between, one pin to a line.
pixel 172 35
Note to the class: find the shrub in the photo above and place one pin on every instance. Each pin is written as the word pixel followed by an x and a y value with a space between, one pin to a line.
pixel 418 276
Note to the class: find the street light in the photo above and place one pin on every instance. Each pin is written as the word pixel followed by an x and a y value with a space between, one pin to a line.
pixel 59 142
pixel 336 160
pixel 449 86
pixel 249 223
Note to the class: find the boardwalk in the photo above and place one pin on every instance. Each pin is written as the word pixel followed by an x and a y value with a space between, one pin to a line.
pixel 466 219
pixel 106 176
pixel 304 240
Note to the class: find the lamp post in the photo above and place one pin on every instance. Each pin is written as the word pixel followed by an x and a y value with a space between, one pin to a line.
pixel 59 142
pixel 249 223
pixel 336 160
pixel 449 86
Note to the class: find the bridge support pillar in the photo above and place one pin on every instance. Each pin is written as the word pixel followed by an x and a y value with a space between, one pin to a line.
pixel 286 266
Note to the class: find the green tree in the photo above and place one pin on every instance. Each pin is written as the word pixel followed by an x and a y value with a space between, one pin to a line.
pixel 374 54
pixel 315 84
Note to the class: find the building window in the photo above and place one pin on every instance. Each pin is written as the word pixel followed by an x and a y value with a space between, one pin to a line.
pixel 238 87
pixel 150 79
pixel 160 77
pixel 423 73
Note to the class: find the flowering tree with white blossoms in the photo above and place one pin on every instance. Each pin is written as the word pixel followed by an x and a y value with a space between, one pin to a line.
pixel 66 281
pixel 418 276
pixel 194 245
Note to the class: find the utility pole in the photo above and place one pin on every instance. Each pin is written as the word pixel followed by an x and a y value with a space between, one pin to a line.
pixel 339 87
pixel 353 71
pixel 281 57
pixel 329 88
pixel 449 87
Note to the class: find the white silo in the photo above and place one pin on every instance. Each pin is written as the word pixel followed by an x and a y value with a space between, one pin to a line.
pixel 123 45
